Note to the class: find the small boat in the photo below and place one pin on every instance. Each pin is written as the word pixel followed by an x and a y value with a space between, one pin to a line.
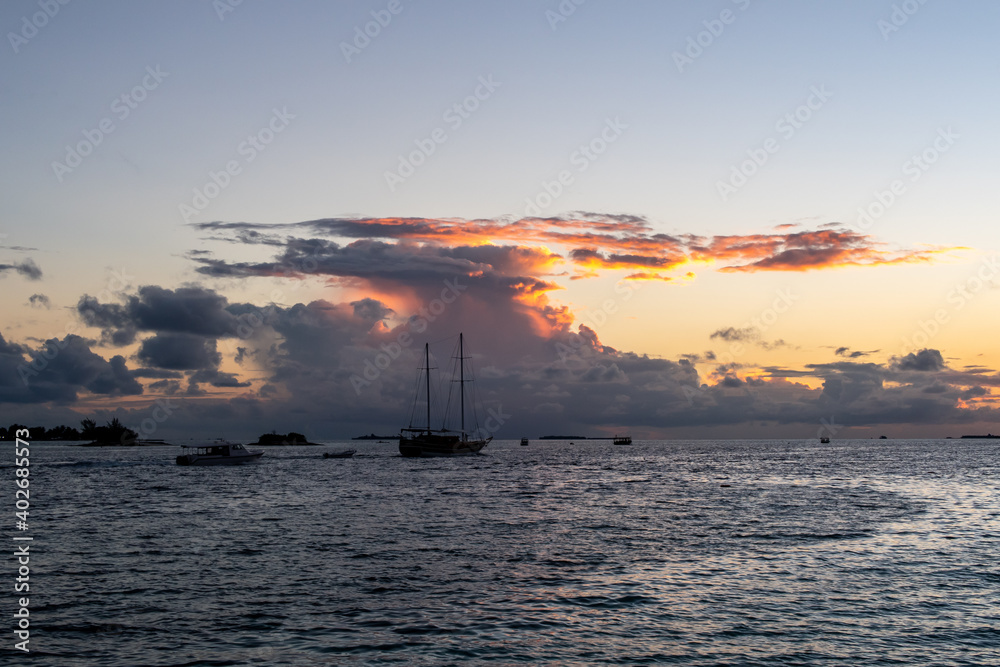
pixel 824 440
pixel 217 454
pixel 425 441
pixel 622 440
pixel 343 454
pixel 524 442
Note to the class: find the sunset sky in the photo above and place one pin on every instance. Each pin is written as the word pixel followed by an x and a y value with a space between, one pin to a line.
pixel 679 220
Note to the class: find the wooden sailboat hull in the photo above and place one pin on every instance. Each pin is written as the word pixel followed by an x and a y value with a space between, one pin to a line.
pixel 426 445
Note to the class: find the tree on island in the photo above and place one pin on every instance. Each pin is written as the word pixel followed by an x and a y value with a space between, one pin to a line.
pixel 113 432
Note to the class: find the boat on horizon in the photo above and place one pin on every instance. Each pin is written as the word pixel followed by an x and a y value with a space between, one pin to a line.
pixel 218 453
pixel 425 442
pixel 622 440
pixel 524 442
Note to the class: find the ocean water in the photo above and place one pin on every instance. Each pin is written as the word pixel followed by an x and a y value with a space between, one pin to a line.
pixel 692 553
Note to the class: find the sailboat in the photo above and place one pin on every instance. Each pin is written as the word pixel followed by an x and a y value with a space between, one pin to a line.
pixel 441 442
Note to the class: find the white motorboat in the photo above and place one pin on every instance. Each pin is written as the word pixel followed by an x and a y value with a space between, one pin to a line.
pixel 217 454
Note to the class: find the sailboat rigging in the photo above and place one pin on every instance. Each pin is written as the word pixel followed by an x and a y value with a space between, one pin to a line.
pixel 415 441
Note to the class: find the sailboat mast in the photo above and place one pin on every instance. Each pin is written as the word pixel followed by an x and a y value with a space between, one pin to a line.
pixel 427 376
pixel 461 380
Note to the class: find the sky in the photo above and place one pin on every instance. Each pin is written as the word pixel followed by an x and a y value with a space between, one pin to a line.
pixel 724 219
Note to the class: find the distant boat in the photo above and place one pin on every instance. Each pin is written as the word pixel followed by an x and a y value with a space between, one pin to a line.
pixel 440 442
pixel 219 453
pixel 343 454
pixel 622 440
pixel 824 440
pixel 524 442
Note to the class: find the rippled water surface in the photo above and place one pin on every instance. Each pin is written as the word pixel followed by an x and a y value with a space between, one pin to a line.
pixel 699 553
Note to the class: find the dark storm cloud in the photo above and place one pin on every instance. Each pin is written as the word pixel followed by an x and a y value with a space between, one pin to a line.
pixel 217 379
pixel 168 387
pixel 193 310
pixel 60 369
pixel 156 373
pixel 371 310
pixel 179 351
pixel 114 321
pixel 924 360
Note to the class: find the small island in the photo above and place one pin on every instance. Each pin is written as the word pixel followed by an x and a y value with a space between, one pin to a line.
pixel 112 434
pixel 273 439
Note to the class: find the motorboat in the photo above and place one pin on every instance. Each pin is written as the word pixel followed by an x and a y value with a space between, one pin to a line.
pixel 217 454
pixel 524 442
pixel 622 440
pixel 342 454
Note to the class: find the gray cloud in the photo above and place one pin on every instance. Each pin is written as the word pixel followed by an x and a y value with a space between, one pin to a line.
pixel 193 310
pixel 59 370
pixel 924 360
pixel 845 351
pixel 39 301
pixel 27 268
pixel 174 351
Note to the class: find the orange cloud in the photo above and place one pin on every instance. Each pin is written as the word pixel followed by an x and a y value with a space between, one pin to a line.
pixel 593 242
